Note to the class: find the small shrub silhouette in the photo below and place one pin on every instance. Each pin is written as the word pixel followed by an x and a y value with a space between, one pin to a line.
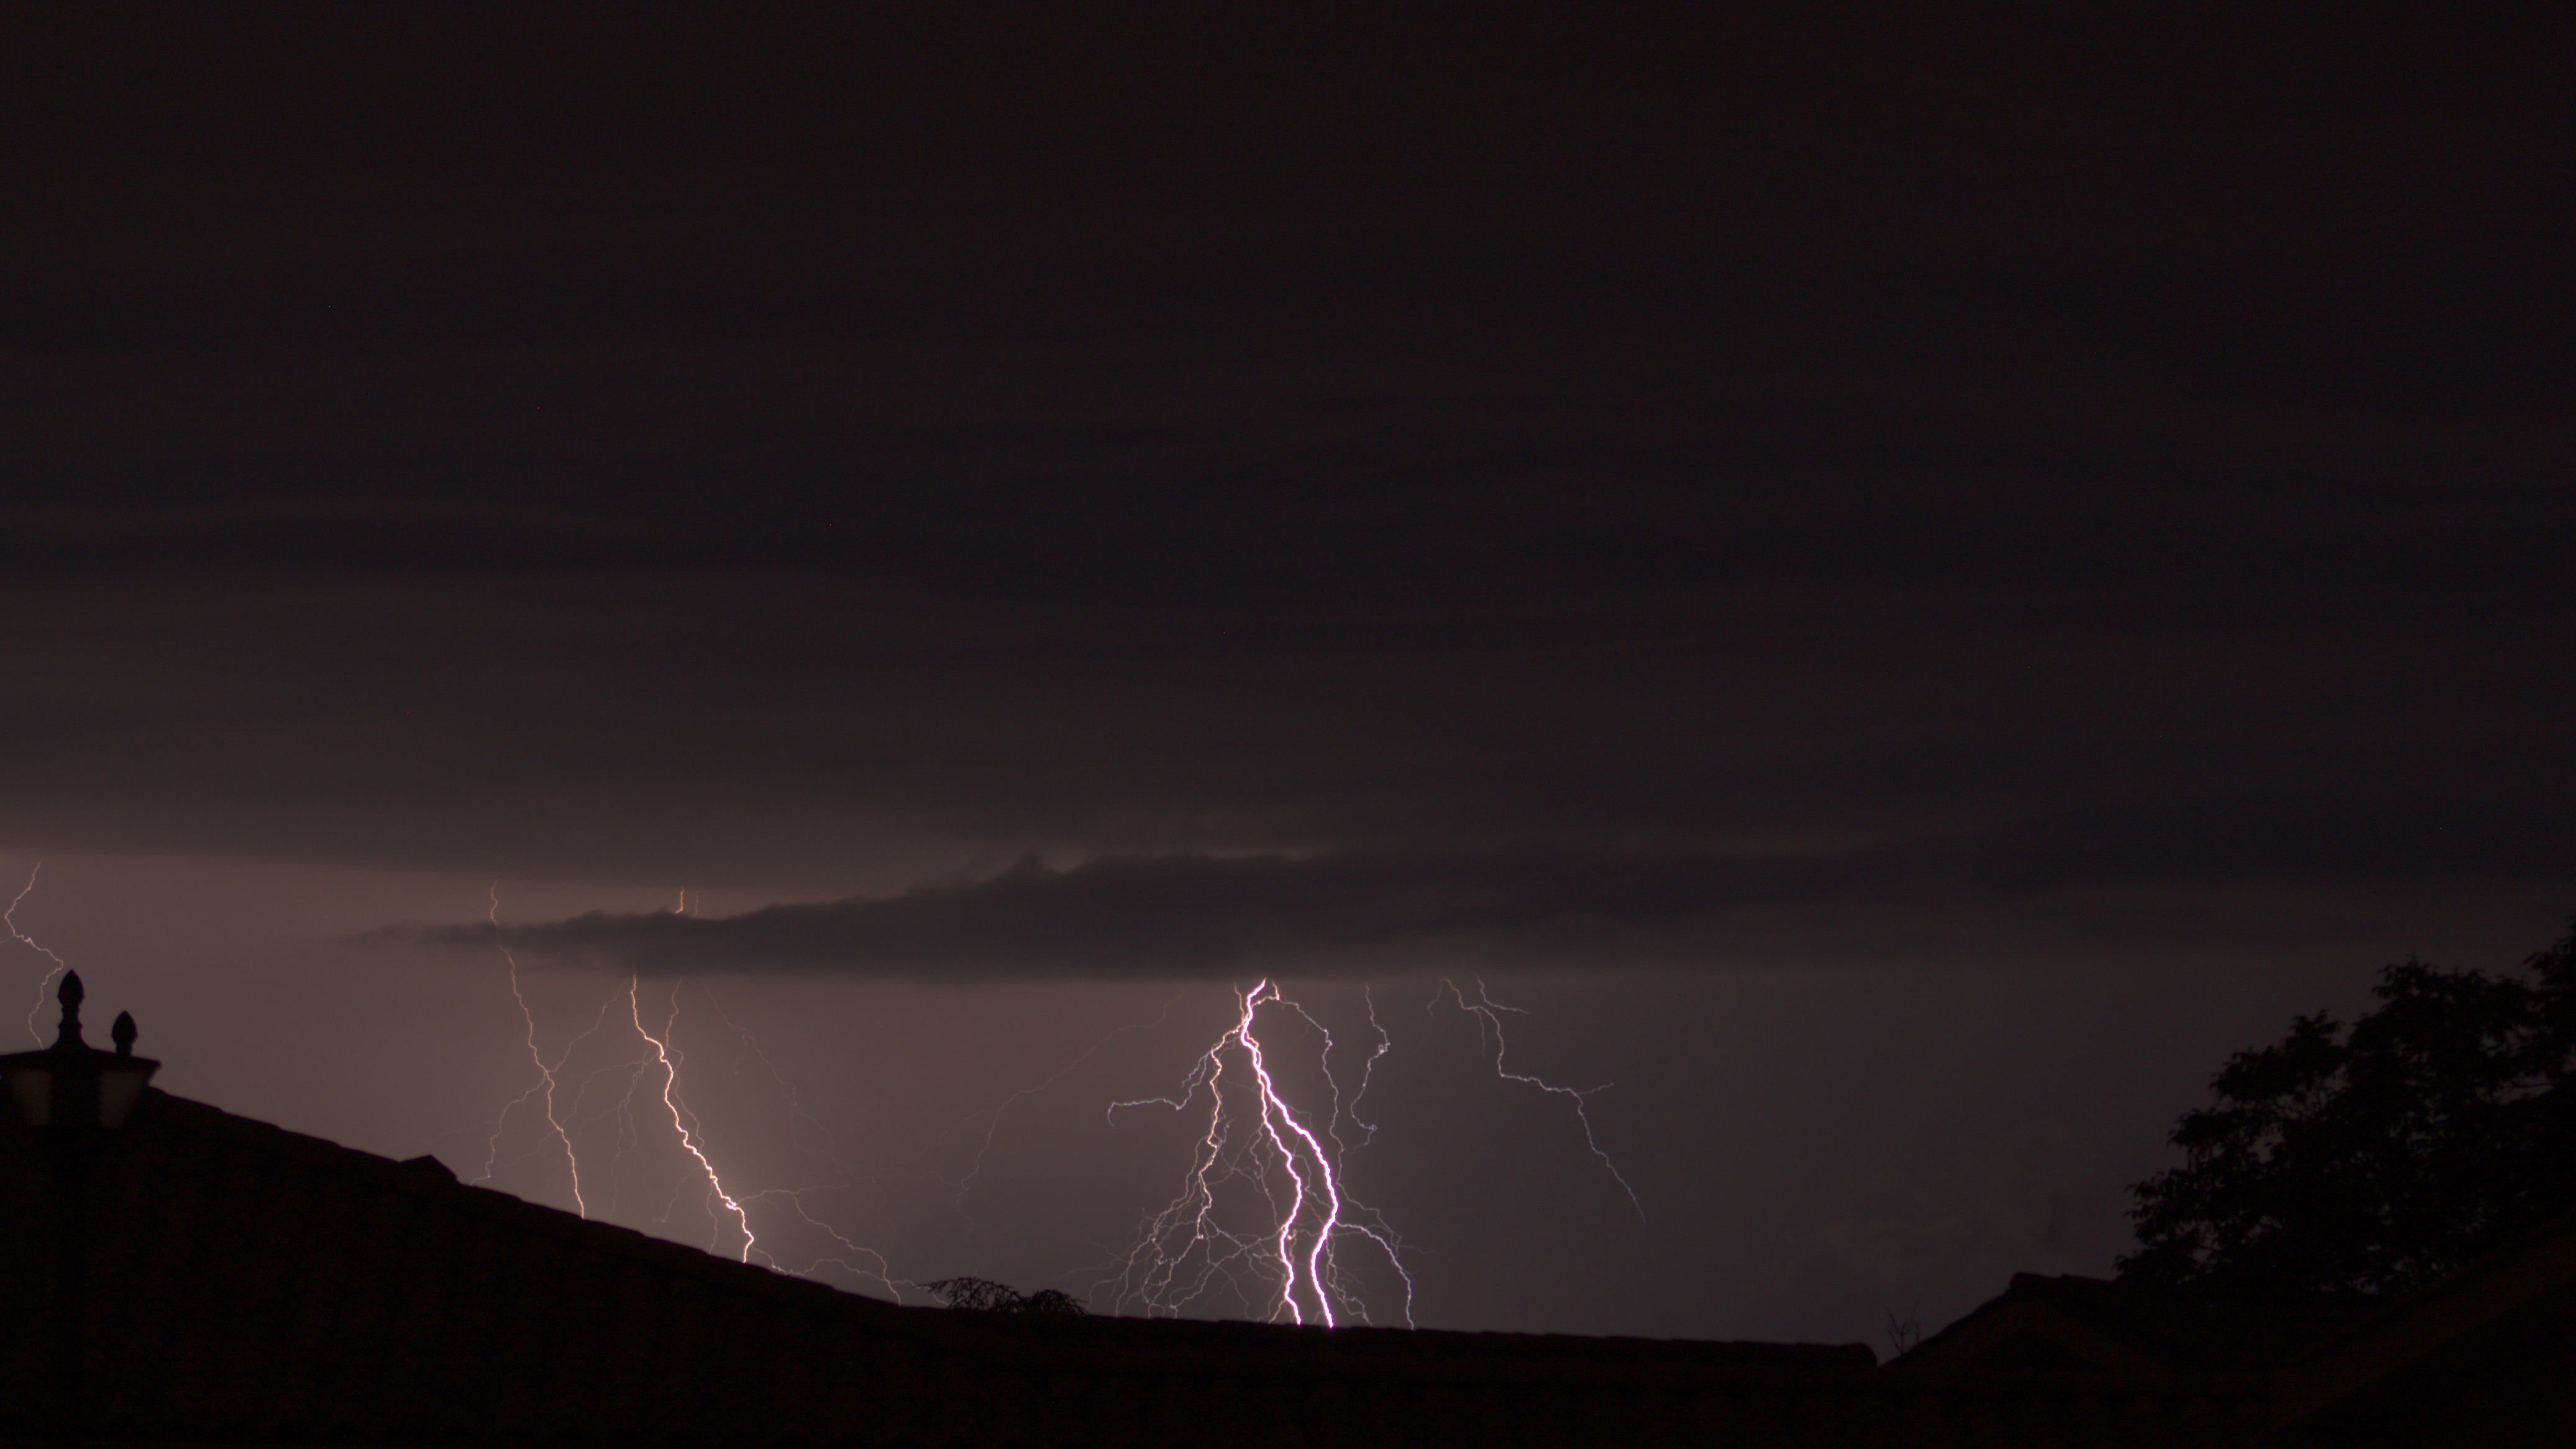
pixel 983 1295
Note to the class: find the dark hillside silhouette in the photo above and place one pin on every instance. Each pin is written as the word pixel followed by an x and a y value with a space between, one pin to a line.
pixel 2381 1156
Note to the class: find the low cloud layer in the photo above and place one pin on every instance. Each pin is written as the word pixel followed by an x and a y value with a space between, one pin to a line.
pixel 1205 916
pixel 1190 915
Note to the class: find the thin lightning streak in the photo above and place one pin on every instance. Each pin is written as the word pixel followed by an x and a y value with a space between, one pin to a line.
pixel 1197 1199
pixel 572 1161
pixel 624 1137
pixel 10 918
pixel 1487 1012
pixel 1368 1069
pixel 795 1099
pixel 550 1079
pixel 795 1196
pixel 627 1136
pixel 993 1115
pixel 670 1078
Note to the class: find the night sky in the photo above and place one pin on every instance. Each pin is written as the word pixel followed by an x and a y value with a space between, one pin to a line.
pixel 1901 584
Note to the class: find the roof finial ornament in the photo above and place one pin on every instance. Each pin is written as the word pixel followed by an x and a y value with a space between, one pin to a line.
pixel 69 994
pixel 123 1033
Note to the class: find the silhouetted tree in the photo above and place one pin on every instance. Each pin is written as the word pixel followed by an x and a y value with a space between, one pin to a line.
pixel 2379 1156
pixel 1904 1333
pixel 983 1295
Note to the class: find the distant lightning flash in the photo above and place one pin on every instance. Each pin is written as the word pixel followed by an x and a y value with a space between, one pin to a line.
pixel 1185 1250
pixel 10 919
pixel 562 1094
pixel 993 1115
pixel 795 1100
pixel 795 1196
pixel 545 1073
pixel 1487 1012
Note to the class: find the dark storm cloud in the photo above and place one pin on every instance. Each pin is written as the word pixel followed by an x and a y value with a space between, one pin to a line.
pixel 1198 916
pixel 844 445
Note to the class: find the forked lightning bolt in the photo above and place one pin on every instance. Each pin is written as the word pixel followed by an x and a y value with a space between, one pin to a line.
pixel 1188 1248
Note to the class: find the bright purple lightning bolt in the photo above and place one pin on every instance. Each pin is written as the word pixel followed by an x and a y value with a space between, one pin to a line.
pixel 10 919
pixel 1274 1112
pixel 1186 1248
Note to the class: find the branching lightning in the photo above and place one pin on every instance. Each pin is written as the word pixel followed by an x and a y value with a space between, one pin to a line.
pixel 562 1095
pixel 1487 1012
pixel 10 919
pixel 1192 1246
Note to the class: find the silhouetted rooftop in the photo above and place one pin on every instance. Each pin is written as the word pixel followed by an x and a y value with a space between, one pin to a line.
pixel 251 1284
pixel 247 1285
pixel 2176 1330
